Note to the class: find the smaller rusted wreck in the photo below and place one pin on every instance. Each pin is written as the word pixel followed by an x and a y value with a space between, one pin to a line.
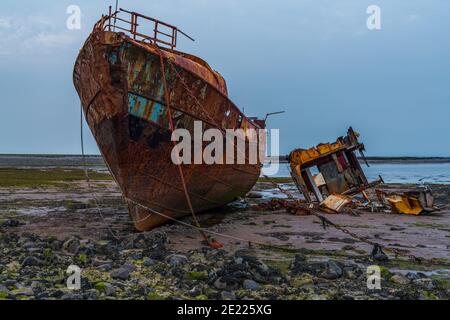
pixel 338 179
pixel 339 173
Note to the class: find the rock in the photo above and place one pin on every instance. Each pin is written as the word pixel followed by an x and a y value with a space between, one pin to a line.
pixel 11 223
pixel 28 244
pixel 424 282
pixel 378 254
pixel 106 247
pixel 176 260
pixel 13 267
pixel 412 276
pixel 122 273
pixel 254 195
pixel 71 296
pixel 149 240
pixel 250 285
pixel 90 295
pixel 22 292
pixel 37 286
pixel 301 265
pixel 304 280
pixel 397 228
pixel 136 255
pixel 72 245
pixel 105 267
pixel 97 262
pixel 227 283
pixel 3 288
pixel 227 295
pixel 32 261
pixel 106 287
pixel 10 283
pixel 244 266
pixel 149 262
pixel 416 275
pixel 333 271
pixel 86 247
pixel 56 244
pixel 399 279
pixel 352 272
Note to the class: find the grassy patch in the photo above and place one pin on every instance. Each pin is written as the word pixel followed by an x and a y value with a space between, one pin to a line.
pixel 425 265
pixel 280 265
pixel 429 225
pixel 11 177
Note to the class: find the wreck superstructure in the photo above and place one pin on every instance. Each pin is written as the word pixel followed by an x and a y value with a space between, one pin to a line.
pixel 339 170
pixel 124 95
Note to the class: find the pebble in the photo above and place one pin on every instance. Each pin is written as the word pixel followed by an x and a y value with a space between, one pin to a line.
pixel 399 279
pixel 251 285
pixel 333 271
pixel 72 245
pixel 122 273
pixel 106 287
pixel 227 295
pixel 176 260
pixel 149 262
pixel 22 292
pixel 3 288
pixel 32 261
pixel 254 195
pixel 105 267
pixel 424 282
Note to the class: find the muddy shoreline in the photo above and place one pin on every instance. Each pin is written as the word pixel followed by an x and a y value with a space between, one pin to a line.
pixel 45 227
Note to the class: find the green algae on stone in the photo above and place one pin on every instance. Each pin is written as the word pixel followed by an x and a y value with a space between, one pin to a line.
pixel 197 275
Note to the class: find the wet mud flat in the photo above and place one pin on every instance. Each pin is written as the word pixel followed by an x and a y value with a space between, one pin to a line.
pixel 50 219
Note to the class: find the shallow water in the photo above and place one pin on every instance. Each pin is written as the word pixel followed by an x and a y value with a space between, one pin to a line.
pixel 435 173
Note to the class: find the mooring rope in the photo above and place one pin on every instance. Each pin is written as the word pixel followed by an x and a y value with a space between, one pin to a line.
pixel 215 233
pixel 180 169
pixel 88 180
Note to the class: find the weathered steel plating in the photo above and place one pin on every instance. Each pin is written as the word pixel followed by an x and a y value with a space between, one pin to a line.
pixel 119 81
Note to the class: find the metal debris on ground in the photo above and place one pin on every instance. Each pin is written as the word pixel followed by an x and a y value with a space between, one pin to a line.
pixel 336 202
pixel 412 202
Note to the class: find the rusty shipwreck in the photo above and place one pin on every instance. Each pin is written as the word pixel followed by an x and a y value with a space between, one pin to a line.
pixel 126 74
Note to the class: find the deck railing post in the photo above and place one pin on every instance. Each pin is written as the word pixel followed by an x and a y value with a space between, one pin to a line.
pixel 108 22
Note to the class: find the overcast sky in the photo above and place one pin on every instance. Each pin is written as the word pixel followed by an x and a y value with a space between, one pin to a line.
pixel 315 59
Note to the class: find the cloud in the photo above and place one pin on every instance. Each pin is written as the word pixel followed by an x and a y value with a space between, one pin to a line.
pixel 52 40
pixel 20 34
pixel 5 23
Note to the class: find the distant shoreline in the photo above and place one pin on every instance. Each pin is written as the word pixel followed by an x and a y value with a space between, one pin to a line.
pixel 76 158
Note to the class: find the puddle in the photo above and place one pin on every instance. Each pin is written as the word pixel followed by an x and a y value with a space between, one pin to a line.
pixel 39 211
pixel 438 272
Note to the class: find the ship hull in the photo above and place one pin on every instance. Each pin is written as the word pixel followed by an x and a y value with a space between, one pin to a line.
pixel 120 85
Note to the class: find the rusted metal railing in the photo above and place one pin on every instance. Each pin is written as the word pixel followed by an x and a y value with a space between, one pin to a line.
pixel 162 33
